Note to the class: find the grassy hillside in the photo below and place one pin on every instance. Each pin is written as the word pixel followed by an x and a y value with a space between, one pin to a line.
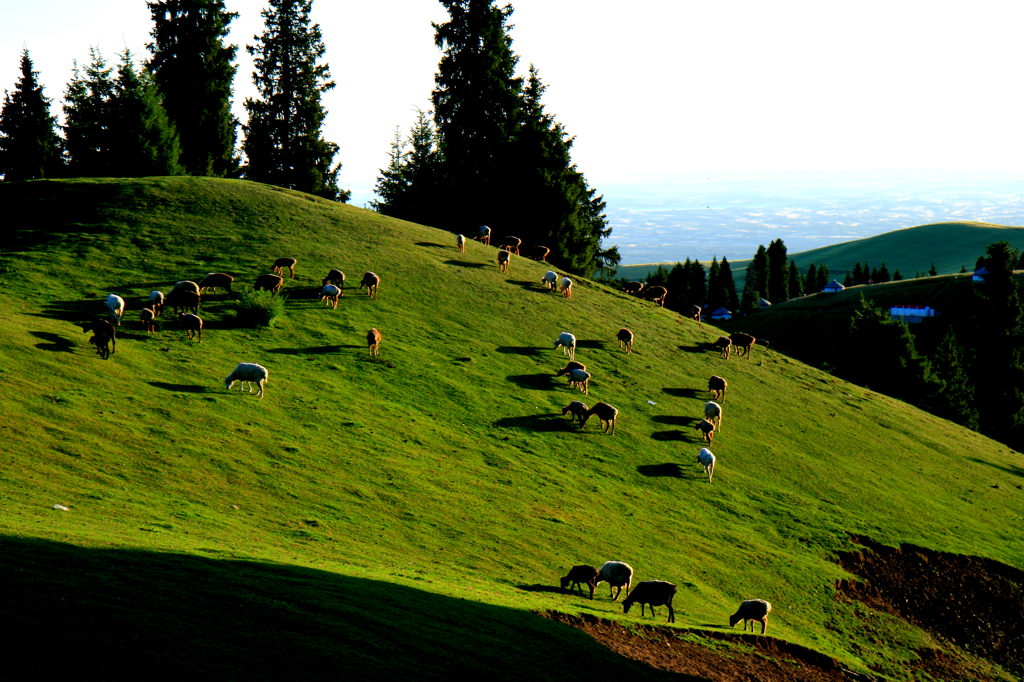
pixel 948 246
pixel 407 514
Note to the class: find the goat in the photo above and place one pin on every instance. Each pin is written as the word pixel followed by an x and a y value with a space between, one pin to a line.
pixel 216 280
pixel 724 345
pixel 549 279
pixel 657 295
pixel 335 277
pixel 103 327
pixel 248 373
pixel 706 428
pixel 503 259
pixel 102 343
pixel 483 235
pixel 271 283
pixel 568 343
pixel 115 304
pixel 706 458
pixel 743 343
pixel 193 325
pixel 581 575
pixel 625 338
pixel 616 574
pixel 330 294
pixel 580 379
pixel 566 287
pixel 652 593
pixel 281 263
pixel 605 413
pixel 370 282
pixel 713 413
pixel 717 386
pixel 634 288
pixel 576 411
pixel 512 244
pixel 156 302
pixel 460 243
pixel 749 611
pixel 570 366
pixel 373 341
pixel 148 319
pixel 184 299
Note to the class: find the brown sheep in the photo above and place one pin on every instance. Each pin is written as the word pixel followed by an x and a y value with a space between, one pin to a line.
pixel 373 341
pixel 281 263
pixel 538 253
pixel 724 345
pixel 581 575
pixel 503 259
pixel 370 282
pixel 271 283
pixel 625 338
pixel 335 277
pixel 576 411
pixel 569 367
pixel 743 343
pixel 102 343
pixel 633 288
pixel 103 327
pixel 695 311
pixel 185 285
pixel 605 413
pixel 148 318
pixel 216 280
pixel 657 295
pixel 717 386
pixel 512 244
pixel 193 325
pixel 707 429
pixel 184 300
pixel 750 611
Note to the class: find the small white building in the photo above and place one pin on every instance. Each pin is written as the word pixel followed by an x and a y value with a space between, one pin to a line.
pixel 721 314
pixel 979 274
pixel 911 313
pixel 833 287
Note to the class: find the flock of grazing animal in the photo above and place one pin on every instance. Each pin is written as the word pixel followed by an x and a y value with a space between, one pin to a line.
pixel 185 298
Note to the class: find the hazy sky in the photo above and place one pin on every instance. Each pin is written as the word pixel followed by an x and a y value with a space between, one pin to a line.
pixel 649 88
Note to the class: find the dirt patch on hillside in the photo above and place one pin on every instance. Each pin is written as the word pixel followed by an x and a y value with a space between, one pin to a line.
pixel 727 658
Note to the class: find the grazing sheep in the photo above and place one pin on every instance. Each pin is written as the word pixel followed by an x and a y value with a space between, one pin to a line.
pixel 335 277
pixel 373 341
pixel 743 343
pixel 460 243
pixel 216 280
pixel 706 458
pixel 483 235
pixel 625 338
pixel 566 287
pixel 634 288
pixel 156 302
pixel 605 413
pixel 749 611
pixel 148 319
pixel 512 244
pixel 580 379
pixel 706 428
pixel 103 327
pixel 115 304
pixel 576 411
pixel 271 283
pixel 568 343
pixel 549 279
pixel 657 295
pixel 717 386
pixel 724 345
pixel 193 325
pixel 281 263
pixel 503 259
pixel 102 343
pixel 570 366
pixel 652 593
pixel 248 373
pixel 695 311
pixel 185 285
pixel 330 294
pixel 370 282
pixel 579 576
pixel 616 574
pixel 538 253
pixel 184 299
pixel 713 413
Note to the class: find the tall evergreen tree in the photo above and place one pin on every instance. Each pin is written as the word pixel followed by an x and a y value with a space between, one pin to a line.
pixel 777 289
pixel 408 187
pixel 732 301
pixel 716 295
pixel 755 285
pixel 90 127
pixel 794 282
pixel 955 399
pixel 29 145
pixel 284 143
pixel 194 70
pixel 146 142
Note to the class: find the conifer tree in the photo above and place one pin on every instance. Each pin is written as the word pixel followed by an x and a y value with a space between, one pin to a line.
pixel 811 280
pixel 146 142
pixel 955 398
pixel 794 282
pixel 716 295
pixel 90 126
pixel 777 285
pixel 29 145
pixel 194 70
pixel 408 187
pixel 755 285
pixel 732 301
pixel 284 143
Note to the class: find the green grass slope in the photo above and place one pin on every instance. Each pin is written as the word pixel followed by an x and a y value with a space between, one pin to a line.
pixel 406 514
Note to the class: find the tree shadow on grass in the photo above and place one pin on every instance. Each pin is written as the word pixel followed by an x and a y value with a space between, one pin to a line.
pixel 674 420
pixel 433 245
pixel 181 388
pixel 669 469
pixel 536 422
pixel 1015 470
pixel 684 392
pixel 536 382
pixel 543 589
pixel 56 342
pixel 674 436
pixel 312 350
pixel 465 264
pixel 519 350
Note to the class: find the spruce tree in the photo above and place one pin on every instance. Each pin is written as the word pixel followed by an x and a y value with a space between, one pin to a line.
pixel 955 398
pixel 755 284
pixel 408 187
pixel 194 70
pixel 716 295
pixel 284 143
pixel 732 301
pixel 777 285
pixel 146 142
pixel 90 127
pixel 29 145
pixel 794 282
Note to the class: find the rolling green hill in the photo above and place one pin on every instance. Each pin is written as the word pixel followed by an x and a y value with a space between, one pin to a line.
pixel 411 515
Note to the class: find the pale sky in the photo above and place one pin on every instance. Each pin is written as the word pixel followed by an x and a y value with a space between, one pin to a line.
pixel 649 88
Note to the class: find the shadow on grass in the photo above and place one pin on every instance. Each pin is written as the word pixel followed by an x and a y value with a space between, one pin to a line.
pixel 675 436
pixel 669 469
pixel 465 264
pixel 433 245
pixel 55 342
pixel 543 589
pixel 312 350
pixel 684 392
pixel 181 388
pixel 674 420
pixel 699 348
pixel 520 350
pixel 84 613
pixel 536 382
pixel 1014 470
pixel 590 343
pixel 536 422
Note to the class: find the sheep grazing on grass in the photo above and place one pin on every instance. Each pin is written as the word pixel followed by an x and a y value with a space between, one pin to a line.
pixel 579 378
pixel 717 386
pixel 281 263
pixel 652 593
pixel 657 295
pixel 271 283
pixel 156 302
pixel 185 285
pixel 576 411
pixel 330 294
pixel 723 344
pixel 248 373
pixel 193 325
pixel 750 611
pixel 335 277
pixel 549 279
pixel 373 341
pixel 503 259
pixel 570 366
pixel 744 343
pixel 568 343
pixel 706 458
pixel 713 413
pixel 483 235
pixel 578 576
pixel 605 413
pixel 184 300
pixel 216 280
pixel 148 319
pixel 102 343
pixel 695 311
pixel 566 287
pixel 538 253
pixel 617 574
pixel 625 338
pixel 460 243
pixel 634 288
pixel 707 429
pixel 103 327
pixel 512 244
pixel 115 304
pixel 370 282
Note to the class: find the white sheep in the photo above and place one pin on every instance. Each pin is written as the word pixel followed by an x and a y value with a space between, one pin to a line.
pixel 484 234
pixel 566 287
pixel 156 302
pixel 460 243
pixel 570 366
pixel 568 343
pixel 707 458
pixel 330 293
pixel 616 574
pixel 580 378
pixel 706 428
pixel 248 372
pixel 713 413
pixel 115 304
pixel 749 611
pixel 549 280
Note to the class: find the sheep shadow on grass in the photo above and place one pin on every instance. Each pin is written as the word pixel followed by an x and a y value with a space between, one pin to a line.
pixel 56 342
pixel 699 348
pixel 668 469
pixel 433 245
pixel 675 436
pixel 464 264
pixel 674 420
pixel 520 350
pixel 181 388
pixel 684 392
pixel 536 382
pixel 550 589
pixel 536 422
pixel 312 350
pixel 590 343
